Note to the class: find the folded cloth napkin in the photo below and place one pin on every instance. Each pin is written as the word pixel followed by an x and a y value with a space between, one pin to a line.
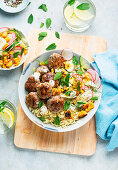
pixel 107 114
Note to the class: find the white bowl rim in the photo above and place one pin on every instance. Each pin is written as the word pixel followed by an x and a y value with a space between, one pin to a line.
pixel 49 127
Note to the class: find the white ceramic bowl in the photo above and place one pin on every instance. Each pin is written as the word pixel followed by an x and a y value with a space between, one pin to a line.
pixel 22 94
pixel 24 57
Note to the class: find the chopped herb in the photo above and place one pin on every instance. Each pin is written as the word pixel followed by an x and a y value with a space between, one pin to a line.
pixel 66 81
pixel 71 2
pixel 30 19
pixel 94 98
pixel 66 105
pixel 46 62
pixel 42 24
pixel 42 35
pixel 78 86
pixel 74 60
pixel 15 55
pixel 57 120
pixel 57 76
pixel 40 104
pixel 68 93
pixel 80 72
pixel 22 51
pixel 48 22
pixel 42 118
pixel 79 104
pixel 43 7
pixel 83 6
pixel 57 35
pixel 51 47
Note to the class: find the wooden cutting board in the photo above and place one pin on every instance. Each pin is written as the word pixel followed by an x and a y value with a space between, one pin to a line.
pixel 81 141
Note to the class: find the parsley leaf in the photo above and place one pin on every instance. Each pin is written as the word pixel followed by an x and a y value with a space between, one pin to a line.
pixel 42 118
pixel 48 22
pixel 57 120
pixel 43 7
pixel 15 55
pixel 71 2
pixel 30 19
pixel 74 60
pixel 42 24
pixel 66 105
pixel 40 104
pixel 83 6
pixel 57 76
pixel 51 47
pixel 57 35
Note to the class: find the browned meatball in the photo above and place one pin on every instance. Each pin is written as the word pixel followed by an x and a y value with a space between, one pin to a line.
pixel 44 90
pixel 56 61
pixel 32 100
pixel 31 84
pixel 42 69
pixel 55 104
pixel 50 76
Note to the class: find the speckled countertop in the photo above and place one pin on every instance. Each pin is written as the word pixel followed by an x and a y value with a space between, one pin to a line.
pixel 12 158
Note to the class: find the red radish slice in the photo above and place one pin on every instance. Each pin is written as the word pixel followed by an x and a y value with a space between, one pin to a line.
pixel 17 49
pixel 97 76
pixel 87 95
pixel 3 29
pixel 98 83
pixel 91 77
pixel 12 37
pixel 67 54
pixel 92 72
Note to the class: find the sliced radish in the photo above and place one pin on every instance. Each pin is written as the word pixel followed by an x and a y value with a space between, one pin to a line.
pixel 87 95
pixel 67 54
pixel 90 75
pixel 12 37
pixel 86 88
pixel 3 29
pixel 97 76
pixel 17 49
pixel 98 83
pixel 92 72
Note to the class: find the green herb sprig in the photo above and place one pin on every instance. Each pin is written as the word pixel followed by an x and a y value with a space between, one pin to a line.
pixel 48 22
pixel 83 6
pixel 42 35
pixel 43 7
pixel 57 35
pixel 51 47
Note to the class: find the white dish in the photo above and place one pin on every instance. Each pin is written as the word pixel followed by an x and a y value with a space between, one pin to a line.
pixel 9 9
pixel 22 94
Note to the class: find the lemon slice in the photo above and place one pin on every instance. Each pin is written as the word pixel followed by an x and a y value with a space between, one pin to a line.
pixel 70 16
pixel 84 15
pixel 7 117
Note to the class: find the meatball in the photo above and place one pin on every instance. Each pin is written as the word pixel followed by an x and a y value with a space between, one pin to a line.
pixel 49 77
pixel 31 84
pixel 56 61
pixel 55 104
pixel 42 69
pixel 32 100
pixel 44 90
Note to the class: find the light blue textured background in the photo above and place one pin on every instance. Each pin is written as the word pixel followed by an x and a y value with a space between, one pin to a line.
pixel 12 158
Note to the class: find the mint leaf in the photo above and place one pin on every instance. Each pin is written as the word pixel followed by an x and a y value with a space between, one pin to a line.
pixel 22 51
pixel 66 105
pixel 30 19
pixel 48 22
pixel 40 104
pixel 43 7
pixel 46 62
pixel 3 103
pixel 42 24
pixel 74 60
pixel 57 35
pixel 29 3
pixel 15 55
pixel 68 93
pixel 51 47
pixel 42 35
pixel 42 118
pixel 83 6
pixel 57 120
pixel 94 98
pixel 57 76
pixel 71 2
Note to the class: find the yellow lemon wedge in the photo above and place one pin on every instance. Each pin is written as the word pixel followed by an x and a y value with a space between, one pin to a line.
pixel 70 16
pixel 84 15
pixel 7 117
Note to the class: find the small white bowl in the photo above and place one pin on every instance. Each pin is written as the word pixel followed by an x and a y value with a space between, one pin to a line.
pixel 24 57
pixel 9 9
pixel 22 95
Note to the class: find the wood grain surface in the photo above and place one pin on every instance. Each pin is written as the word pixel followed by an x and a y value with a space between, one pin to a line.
pixel 81 141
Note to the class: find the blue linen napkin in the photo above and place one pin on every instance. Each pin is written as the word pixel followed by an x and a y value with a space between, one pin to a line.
pixel 107 114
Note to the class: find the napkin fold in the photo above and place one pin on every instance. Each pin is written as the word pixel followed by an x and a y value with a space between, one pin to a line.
pixel 107 114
